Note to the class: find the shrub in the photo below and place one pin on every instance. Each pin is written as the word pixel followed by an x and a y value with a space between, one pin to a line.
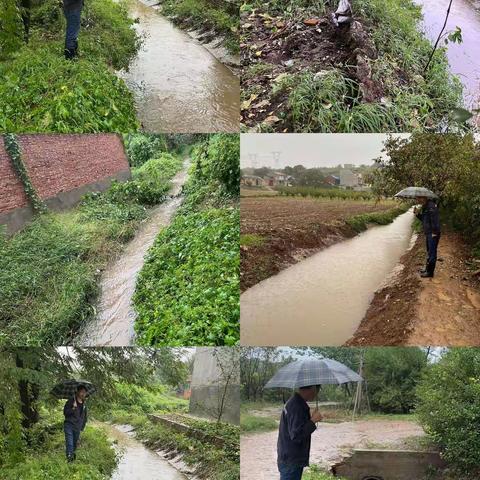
pixel 449 408
pixel 143 147
pixel 188 290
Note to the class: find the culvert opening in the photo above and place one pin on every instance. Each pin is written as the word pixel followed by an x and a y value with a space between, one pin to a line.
pixel 369 477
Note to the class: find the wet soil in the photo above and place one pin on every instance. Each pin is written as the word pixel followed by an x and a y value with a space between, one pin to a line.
pixel 273 47
pixel 444 310
pixel 330 444
pixel 293 229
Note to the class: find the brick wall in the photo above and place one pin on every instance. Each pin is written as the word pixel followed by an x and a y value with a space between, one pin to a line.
pixel 60 163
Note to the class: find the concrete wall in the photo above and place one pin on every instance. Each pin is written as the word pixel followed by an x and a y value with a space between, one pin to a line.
pixel 62 168
pixel 389 465
pixel 209 386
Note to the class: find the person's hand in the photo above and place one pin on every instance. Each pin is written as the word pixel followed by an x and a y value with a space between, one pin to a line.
pixel 434 234
pixel 316 416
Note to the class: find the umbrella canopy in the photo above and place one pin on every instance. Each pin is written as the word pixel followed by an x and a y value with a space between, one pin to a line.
pixel 312 371
pixel 68 388
pixel 414 192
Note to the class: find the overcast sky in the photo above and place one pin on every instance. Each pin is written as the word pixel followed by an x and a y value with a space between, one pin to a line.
pixel 310 150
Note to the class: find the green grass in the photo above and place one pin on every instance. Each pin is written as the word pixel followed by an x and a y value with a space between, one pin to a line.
pixel 49 271
pixel 361 222
pixel 251 240
pixel 202 14
pixel 331 193
pixel 42 92
pixel 96 459
pixel 187 291
pixel 314 472
pixel 252 423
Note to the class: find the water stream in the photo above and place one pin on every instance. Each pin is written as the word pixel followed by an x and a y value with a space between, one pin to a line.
pixel 114 323
pixel 136 461
pixel 179 85
pixel 322 300
pixel 464 58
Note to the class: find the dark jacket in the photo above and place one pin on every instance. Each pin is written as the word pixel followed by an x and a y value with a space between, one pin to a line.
pixel 294 434
pixel 77 417
pixel 70 5
pixel 430 218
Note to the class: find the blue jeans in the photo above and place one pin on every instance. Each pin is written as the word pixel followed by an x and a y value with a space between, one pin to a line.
pixel 71 439
pixel 432 247
pixel 290 472
pixel 73 28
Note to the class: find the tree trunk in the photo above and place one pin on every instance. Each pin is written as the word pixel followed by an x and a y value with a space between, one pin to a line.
pixel 26 5
pixel 28 396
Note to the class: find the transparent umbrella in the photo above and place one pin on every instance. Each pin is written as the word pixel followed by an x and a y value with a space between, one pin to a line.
pixel 414 192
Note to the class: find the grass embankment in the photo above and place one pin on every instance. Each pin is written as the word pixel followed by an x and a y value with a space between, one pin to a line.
pixel 204 15
pixel 42 92
pixel 45 457
pixel 207 459
pixel 320 81
pixel 188 290
pixel 49 271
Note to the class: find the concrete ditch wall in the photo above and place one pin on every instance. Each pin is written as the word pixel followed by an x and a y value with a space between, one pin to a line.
pixel 209 386
pixel 389 465
pixel 61 168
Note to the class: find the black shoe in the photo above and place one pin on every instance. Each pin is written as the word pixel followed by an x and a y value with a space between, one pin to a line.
pixel 70 458
pixel 426 275
pixel 69 54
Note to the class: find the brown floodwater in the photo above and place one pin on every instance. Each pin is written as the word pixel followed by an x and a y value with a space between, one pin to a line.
pixel 464 58
pixel 136 461
pixel 322 300
pixel 115 315
pixel 179 86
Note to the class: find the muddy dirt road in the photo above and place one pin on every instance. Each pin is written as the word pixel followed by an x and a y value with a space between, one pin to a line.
pixel 444 310
pixel 329 442
pixel 293 229
pixel 174 73
pixel 136 461
pixel 114 323
pixel 323 299
pixel 463 57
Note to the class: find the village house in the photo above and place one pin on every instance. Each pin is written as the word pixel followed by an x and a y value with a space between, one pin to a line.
pixel 332 180
pixel 277 179
pixel 252 181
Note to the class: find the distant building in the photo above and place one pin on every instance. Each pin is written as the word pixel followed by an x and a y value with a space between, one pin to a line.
pixel 277 179
pixel 332 180
pixel 252 181
pixel 348 179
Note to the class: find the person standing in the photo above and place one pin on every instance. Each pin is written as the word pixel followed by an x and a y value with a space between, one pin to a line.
pixel 75 412
pixel 428 214
pixel 72 10
pixel 294 435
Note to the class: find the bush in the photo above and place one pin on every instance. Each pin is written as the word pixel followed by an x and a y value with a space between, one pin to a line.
pixel 449 408
pixel 188 290
pixel 250 423
pixel 143 147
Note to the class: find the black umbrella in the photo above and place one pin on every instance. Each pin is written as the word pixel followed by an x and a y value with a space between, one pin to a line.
pixel 68 388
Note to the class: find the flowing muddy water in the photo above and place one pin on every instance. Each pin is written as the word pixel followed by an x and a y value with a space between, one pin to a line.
pixel 464 58
pixel 136 461
pixel 115 319
pixel 323 299
pixel 179 85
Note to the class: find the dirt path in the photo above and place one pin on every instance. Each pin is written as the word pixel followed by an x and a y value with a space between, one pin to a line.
pixel 444 310
pixel 114 324
pixel 175 73
pixel 330 442
pixel 136 461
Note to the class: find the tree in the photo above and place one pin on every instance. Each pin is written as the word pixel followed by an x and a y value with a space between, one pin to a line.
pixel 449 408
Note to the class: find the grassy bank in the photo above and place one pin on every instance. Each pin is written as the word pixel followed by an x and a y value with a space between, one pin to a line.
pixel 49 271
pixel 331 193
pixel 42 92
pixel 361 222
pixel 319 80
pixel 187 292
pixel 204 15
pixel 45 457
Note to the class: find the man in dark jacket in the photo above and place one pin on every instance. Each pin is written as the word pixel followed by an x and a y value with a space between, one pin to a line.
pixel 75 412
pixel 73 12
pixel 296 428
pixel 429 216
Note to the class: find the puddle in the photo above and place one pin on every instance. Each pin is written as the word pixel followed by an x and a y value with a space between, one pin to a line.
pixel 323 299
pixel 136 461
pixel 173 73
pixel 114 323
pixel 464 58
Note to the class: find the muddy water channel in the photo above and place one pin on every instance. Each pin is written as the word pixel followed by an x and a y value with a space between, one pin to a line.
pixel 136 461
pixel 114 323
pixel 323 299
pixel 179 85
pixel 464 58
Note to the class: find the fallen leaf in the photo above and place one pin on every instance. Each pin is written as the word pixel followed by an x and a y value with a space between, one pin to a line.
pixel 271 120
pixel 246 103
pixel 261 104
pixel 311 21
